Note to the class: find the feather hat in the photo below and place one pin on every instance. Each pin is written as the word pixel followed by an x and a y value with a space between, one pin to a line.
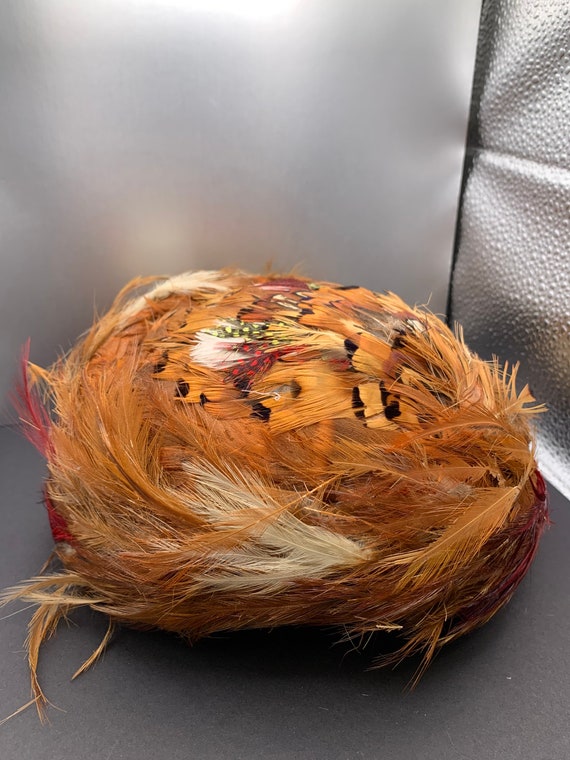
pixel 230 451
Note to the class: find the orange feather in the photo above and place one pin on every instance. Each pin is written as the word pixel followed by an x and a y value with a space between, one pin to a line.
pixel 229 451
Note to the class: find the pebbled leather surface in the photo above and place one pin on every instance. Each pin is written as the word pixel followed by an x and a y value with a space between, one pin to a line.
pixel 511 284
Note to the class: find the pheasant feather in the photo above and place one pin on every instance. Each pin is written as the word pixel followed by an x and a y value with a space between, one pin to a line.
pixel 231 451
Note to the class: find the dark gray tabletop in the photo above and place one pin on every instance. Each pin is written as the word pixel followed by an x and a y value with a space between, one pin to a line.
pixel 503 692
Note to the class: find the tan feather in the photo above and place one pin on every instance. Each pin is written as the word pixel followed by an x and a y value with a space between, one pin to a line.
pixel 229 451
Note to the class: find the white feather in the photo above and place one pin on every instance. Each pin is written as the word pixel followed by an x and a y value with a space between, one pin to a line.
pixel 216 353
pixel 188 282
pixel 278 548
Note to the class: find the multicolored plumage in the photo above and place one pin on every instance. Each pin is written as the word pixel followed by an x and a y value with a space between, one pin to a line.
pixel 229 451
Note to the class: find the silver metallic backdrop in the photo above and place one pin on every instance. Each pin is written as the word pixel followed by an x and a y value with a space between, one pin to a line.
pixel 511 286
pixel 156 136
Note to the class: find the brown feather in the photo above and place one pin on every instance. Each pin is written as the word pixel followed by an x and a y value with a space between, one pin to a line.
pixel 232 451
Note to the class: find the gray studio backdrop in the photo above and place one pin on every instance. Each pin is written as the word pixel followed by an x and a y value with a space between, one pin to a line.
pixel 153 136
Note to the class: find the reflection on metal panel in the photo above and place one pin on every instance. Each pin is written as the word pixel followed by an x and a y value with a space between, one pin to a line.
pixel 154 137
